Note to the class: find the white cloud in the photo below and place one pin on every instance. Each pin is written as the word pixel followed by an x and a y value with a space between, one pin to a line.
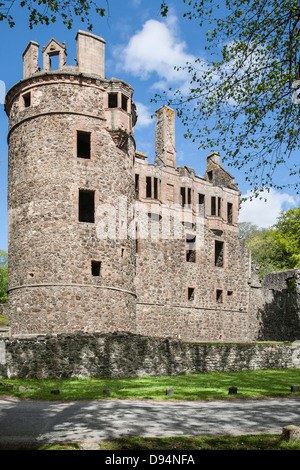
pixel 157 49
pixel 144 115
pixel 264 210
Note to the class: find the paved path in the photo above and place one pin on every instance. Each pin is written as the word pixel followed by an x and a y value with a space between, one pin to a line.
pixel 23 421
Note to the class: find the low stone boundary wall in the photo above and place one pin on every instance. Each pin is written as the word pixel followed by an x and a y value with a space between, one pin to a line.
pixel 127 355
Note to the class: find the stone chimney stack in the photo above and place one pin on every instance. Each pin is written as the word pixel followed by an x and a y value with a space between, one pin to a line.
pixel 165 153
pixel 90 54
pixel 30 59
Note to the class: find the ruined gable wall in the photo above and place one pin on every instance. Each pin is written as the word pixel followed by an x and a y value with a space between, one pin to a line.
pixel 274 312
pixel 164 276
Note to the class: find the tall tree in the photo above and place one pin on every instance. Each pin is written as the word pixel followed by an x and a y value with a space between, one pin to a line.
pixel 242 100
pixel 48 11
pixel 276 248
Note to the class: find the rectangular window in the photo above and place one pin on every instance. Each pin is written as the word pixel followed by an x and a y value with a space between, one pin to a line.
pixel 96 268
pixel 83 144
pixel 155 188
pixel 124 102
pixel 219 296
pixel 210 175
pixel 182 193
pixel 190 250
pixel 213 205
pixel 189 198
pixel 27 100
pixel 113 100
pixel 137 186
pixel 229 213
pixel 201 202
pixel 86 206
pixel 137 240
pixel 219 206
pixel 219 253
pixel 148 186
pixel 191 293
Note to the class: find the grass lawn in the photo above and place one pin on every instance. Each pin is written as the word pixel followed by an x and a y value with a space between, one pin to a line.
pixel 250 442
pixel 206 386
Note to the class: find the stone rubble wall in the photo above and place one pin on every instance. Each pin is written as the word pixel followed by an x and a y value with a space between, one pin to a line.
pixel 128 355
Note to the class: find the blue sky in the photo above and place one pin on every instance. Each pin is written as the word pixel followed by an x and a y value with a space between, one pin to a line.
pixel 142 48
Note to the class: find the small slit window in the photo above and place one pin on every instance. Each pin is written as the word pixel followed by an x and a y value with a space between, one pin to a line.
pixel 191 293
pixel 219 296
pixel 96 268
pixel 27 100
pixel 229 213
pixel 86 206
pixel 201 202
pixel 137 186
pixel 148 186
pixel 83 144
pixel 213 205
pixel 182 193
pixel 124 103
pixel 155 188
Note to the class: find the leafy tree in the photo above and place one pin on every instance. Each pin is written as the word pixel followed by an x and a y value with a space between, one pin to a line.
pixel 240 100
pixel 276 248
pixel 48 11
pixel 3 276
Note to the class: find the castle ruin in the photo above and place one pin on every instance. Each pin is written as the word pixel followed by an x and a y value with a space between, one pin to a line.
pixel 102 241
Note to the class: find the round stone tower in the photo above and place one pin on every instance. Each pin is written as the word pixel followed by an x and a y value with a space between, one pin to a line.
pixel 70 183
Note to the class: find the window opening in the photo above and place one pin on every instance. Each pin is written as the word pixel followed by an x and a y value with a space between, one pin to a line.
pixel 124 103
pixel 27 100
pixel 189 198
pixel 137 186
pixel 201 202
pixel 291 284
pixel 219 253
pixel 210 175
pixel 155 188
pixel 83 144
pixel 191 293
pixel 219 206
pixel 219 296
pixel 229 213
pixel 54 61
pixel 96 268
pixel 148 186
pixel 112 100
pixel 213 205
pixel 182 192
pixel 86 206
pixel 190 250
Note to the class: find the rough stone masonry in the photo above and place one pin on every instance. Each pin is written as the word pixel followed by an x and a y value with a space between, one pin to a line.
pixel 101 240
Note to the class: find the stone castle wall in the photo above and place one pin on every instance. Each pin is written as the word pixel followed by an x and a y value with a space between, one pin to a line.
pixel 127 355
pixel 274 309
